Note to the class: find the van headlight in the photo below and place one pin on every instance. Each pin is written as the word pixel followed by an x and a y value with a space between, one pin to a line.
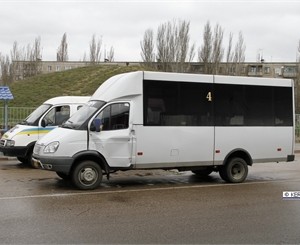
pixel 10 143
pixel 52 147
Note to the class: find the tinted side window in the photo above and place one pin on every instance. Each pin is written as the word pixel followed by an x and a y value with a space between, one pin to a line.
pixel 283 101
pixel 230 105
pixel 249 105
pixel 115 116
pixel 177 103
pixel 260 110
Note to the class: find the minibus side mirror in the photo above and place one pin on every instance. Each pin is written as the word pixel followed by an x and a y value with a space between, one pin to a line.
pixel 96 125
pixel 44 123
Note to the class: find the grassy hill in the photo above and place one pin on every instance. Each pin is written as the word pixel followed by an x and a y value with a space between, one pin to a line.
pixel 34 91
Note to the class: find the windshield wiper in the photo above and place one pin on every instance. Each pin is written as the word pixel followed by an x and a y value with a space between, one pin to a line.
pixel 66 126
pixel 24 122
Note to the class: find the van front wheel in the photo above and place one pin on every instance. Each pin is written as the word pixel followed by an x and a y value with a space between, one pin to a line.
pixel 87 175
pixel 234 171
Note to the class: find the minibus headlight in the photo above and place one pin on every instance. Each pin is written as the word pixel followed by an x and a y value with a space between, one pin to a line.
pixel 10 143
pixel 52 147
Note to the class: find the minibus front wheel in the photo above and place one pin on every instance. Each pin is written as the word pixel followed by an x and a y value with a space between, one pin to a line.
pixel 87 175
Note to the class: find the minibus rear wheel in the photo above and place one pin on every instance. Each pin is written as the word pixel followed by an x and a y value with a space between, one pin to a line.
pixel 87 175
pixel 234 171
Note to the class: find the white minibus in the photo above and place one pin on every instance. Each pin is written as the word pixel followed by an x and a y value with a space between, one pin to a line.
pixel 19 141
pixel 155 120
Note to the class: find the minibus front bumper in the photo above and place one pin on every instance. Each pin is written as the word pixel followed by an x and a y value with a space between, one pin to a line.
pixel 14 151
pixel 57 164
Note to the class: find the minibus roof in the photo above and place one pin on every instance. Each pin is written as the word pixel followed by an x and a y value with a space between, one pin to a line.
pixel 68 100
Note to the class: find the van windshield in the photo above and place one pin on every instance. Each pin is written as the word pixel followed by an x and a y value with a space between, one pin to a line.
pixel 33 118
pixel 80 119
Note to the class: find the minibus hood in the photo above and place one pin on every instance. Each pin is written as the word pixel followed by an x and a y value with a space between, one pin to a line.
pixel 18 129
pixel 55 135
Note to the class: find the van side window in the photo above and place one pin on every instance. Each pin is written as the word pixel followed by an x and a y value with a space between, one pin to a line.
pixel 169 103
pixel 115 116
pixel 57 115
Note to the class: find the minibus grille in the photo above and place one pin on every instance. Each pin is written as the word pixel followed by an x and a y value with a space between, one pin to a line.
pixel 2 142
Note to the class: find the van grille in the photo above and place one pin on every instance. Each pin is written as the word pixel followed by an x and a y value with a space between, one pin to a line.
pixel 2 142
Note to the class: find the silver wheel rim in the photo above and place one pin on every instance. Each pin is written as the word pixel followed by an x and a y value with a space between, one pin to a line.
pixel 88 176
pixel 237 171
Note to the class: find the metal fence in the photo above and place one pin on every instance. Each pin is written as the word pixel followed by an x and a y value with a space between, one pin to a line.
pixel 15 115
pixel 297 127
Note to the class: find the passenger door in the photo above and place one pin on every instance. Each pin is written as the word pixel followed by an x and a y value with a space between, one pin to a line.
pixel 178 126
pixel 53 118
pixel 114 141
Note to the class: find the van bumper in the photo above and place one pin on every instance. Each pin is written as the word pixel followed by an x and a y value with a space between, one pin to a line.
pixel 14 151
pixel 290 158
pixel 57 164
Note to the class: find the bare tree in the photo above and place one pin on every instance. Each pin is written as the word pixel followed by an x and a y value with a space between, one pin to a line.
pixel 211 52
pixel 62 51
pixel 173 50
pixel 37 49
pixel 147 46
pixel 183 52
pixel 33 58
pixel 15 55
pixel 95 50
pixel 110 56
pixel 218 50
pixel 84 59
pixel 229 54
pixel 26 61
pixel 205 52
pixel 239 53
pixel 5 71
pixel 163 46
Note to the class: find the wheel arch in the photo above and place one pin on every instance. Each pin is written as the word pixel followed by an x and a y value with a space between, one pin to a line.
pixel 30 147
pixel 92 156
pixel 241 153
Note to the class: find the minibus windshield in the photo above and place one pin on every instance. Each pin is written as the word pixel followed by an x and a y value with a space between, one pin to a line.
pixel 80 119
pixel 33 118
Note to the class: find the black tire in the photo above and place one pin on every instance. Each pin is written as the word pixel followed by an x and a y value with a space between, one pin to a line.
pixel 234 171
pixel 29 158
pixel 22 159
pixel 205 171
pixel 87 175
pixel 63 176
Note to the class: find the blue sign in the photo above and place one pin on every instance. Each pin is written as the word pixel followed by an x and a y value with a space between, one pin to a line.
pixel 5 93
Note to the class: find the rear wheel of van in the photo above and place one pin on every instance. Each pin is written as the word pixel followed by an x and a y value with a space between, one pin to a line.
pixel 87 175
pixel 234 171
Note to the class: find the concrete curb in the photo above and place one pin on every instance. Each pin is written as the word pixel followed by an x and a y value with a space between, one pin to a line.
pixel 5 158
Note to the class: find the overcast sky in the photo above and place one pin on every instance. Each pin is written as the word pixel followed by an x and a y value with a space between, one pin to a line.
pixel 269 27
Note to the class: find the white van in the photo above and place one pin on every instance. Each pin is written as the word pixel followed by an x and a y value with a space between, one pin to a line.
pixel 19 141
pixel 153 120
